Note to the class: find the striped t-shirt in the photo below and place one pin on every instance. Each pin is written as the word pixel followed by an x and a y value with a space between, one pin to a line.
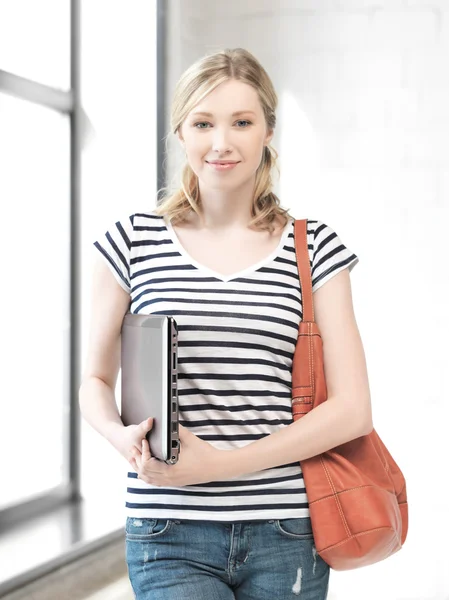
pixel 236 339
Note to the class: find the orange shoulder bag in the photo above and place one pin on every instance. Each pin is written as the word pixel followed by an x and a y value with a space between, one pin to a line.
pixel 357 493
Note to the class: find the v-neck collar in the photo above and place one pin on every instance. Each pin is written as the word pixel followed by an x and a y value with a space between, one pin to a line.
pixel 226 278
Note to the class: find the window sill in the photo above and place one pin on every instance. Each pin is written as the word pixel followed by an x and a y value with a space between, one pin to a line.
pixel 33 549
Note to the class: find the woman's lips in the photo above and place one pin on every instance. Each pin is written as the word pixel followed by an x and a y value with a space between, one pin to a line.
pixel 223 167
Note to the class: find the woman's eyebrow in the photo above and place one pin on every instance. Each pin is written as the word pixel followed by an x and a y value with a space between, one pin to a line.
pixel 234 114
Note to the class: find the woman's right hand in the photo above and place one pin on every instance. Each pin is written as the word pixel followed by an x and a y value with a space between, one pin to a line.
pixel 129 437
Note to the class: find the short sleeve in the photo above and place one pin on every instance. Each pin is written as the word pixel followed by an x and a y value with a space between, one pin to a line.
pixel 115 247
pixel 330 255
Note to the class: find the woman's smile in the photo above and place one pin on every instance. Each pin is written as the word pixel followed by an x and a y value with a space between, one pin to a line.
pixel 222 167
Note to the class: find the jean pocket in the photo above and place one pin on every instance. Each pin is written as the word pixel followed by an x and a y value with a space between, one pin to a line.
pixel 298 528
pixel 141 530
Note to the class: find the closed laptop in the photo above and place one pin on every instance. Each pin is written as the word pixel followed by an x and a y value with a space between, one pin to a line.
pixel 149 349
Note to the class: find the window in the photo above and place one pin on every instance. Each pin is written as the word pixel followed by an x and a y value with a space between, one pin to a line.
pixel 39 158
pixel 35 40
pixel 34 187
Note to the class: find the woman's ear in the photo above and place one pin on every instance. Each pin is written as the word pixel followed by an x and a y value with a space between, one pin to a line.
pixel 269 137
pixel 181 141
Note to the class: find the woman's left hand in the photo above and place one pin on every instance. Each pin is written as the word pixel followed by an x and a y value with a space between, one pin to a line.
pixel 198 462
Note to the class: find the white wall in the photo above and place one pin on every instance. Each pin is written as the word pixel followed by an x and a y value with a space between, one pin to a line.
pixel 363 138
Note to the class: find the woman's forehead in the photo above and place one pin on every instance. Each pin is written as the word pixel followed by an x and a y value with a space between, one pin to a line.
pixel 228 98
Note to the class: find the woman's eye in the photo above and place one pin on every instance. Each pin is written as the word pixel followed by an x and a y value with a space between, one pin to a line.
pixel 206 123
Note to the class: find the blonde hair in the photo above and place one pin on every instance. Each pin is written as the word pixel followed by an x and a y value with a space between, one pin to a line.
pixel 196 82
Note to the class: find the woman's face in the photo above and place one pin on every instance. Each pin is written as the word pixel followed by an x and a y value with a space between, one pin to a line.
pixel 223 135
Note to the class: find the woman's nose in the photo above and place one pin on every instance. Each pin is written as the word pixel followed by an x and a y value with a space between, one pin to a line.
pixel 220 141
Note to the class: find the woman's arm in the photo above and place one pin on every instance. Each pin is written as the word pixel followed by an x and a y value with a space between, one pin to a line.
pixel 109 303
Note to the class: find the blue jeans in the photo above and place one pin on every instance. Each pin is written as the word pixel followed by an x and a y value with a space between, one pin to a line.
pixel 171 559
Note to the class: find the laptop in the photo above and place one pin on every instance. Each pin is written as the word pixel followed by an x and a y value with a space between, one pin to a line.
pixel 149 356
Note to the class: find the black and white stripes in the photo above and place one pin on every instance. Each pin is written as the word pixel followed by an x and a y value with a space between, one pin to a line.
pixel 237 335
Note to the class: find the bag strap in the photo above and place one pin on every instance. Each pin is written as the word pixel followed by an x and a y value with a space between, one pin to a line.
pixel 304 270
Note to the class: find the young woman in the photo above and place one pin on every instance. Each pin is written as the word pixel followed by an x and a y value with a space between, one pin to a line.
pixel 231 518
